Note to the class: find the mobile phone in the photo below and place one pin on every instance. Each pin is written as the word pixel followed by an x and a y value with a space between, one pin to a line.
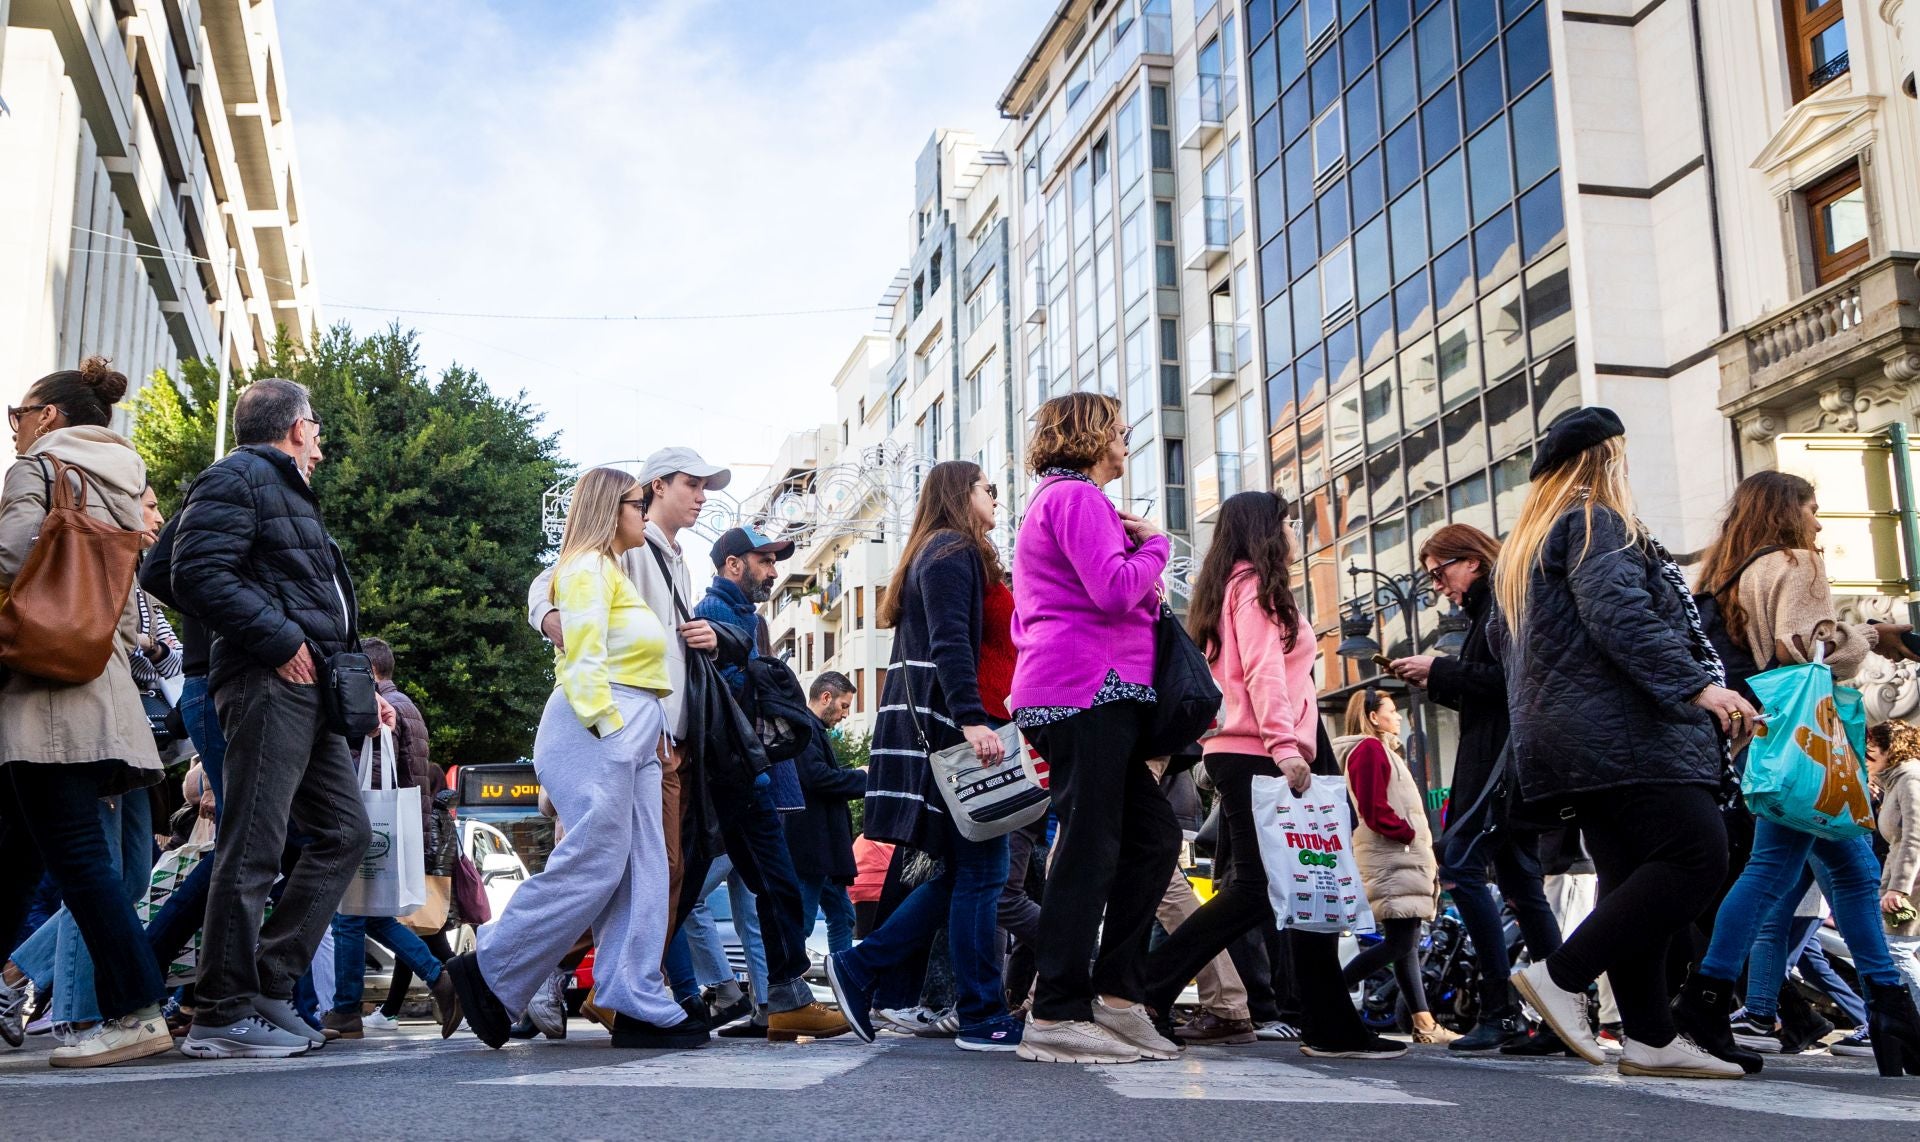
pixel 1383 662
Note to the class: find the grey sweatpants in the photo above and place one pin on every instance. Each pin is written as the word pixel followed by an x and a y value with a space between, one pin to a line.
pixel 608 873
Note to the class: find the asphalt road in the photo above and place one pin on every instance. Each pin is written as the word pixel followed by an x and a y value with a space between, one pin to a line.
pixel 411 1085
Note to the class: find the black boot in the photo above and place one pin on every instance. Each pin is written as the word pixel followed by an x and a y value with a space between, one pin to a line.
pixel 1894 1028
pixel 1543 1043
pixel 1801 1027
pixel 1496 1029
pixel 1702 1012
pixel 635 1034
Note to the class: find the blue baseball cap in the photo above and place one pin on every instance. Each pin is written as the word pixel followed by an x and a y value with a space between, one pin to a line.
pixel 746 541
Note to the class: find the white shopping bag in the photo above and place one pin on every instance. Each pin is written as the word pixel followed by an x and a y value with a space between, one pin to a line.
pixel 392 878
pixel 1306 846
pixel 169 872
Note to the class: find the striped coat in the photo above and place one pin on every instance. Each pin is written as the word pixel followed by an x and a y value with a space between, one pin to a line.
pixel 936 655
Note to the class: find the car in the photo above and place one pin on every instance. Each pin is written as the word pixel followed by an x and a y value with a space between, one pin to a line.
pixel 502 871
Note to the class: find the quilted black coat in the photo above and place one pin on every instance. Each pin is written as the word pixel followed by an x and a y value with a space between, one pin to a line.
pixel 1600 681
pixel 252 559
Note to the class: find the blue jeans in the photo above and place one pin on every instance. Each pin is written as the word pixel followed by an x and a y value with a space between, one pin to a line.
pixel 350 956
pixel 1514 861
pixel 1849 875
pixel 183 913
pixel 819 893
pixel 965 898
pixel 705 954
pixel 58 954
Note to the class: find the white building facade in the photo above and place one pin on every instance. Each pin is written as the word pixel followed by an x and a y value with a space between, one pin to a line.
pixel 149 188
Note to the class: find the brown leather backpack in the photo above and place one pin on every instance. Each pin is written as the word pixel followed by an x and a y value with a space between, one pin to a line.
pixel 60 617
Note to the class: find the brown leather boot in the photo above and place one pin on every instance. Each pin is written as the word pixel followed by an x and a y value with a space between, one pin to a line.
pixel 815 1019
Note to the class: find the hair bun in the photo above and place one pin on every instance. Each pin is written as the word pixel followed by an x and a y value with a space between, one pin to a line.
pixel 100 375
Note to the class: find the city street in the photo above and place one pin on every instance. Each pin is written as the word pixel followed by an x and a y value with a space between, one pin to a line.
pixel 411 1085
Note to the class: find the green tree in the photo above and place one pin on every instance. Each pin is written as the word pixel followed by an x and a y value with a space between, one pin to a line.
pixel 855 751
pixel 433 490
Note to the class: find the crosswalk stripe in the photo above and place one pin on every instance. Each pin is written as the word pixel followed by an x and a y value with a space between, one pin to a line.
pixel 1214 1075
pixel 176 1066
pixel 753 1066
pixel 1764 1096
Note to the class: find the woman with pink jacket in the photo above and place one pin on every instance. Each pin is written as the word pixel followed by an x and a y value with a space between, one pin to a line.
pixel 1244 618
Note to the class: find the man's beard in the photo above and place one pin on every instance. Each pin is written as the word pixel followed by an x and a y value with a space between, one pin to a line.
pixel 760 592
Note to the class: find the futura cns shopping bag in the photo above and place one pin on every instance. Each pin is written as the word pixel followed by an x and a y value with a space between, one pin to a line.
pixel 392 877
pixel 1806 768
pixel 1306 846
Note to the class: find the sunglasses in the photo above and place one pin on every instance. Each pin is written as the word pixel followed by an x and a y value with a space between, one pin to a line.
pixel 993 491
pixel 14 414
pixel 1433 573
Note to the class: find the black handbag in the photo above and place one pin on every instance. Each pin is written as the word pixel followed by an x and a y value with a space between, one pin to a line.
pixel 348 694
pixel 1187 699
pixel 728 743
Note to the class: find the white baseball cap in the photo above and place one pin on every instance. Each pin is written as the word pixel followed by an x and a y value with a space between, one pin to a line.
pixel 664 463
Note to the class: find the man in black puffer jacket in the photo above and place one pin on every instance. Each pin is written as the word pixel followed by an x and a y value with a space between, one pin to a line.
pixel 253 561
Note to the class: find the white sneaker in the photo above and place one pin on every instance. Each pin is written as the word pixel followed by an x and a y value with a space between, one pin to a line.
pixel 1277 1032
pixel 940 1024
pixel 379 1021
pixel 116 1041
pixel 250 1038
pixel 14 1002
pixel 1074 1041
pixel 1567 1012
pixel 1133 1025
pixel 905 1020
pixel 548 1007
pixel 1680 1059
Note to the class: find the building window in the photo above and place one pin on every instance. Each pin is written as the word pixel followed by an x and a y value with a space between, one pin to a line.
pixel 980 302
pixel 933 273
pixel 1166 260
pixel 1816 44
pixel 859 608
pixel 1837 223
pixel 919 295
pixel 846 427
pixel 809 657
pixel 859 691
pixel 827 641
pixel 1162 130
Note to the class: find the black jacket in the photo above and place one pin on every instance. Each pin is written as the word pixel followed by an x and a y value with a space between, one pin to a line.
pixel 252 559
pixel 1600 682
pixel 1473 684
pixel 820 836
pixel 936 652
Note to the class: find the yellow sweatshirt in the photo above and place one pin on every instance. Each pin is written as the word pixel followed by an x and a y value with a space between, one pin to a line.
pixel 610 638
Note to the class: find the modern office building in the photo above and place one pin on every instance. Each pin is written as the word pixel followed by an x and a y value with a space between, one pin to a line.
pixel 1134 247
pixel 149 188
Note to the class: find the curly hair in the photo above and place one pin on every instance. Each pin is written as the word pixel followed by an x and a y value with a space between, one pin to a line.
pixel 1072 431
pixel 1898 741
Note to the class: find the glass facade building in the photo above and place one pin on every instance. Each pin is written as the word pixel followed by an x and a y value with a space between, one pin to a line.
pixel 1416 319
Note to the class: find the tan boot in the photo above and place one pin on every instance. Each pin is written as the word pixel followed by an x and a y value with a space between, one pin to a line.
pixel 816 1020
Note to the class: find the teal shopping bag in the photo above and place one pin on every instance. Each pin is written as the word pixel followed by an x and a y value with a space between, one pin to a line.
pixel 1805 768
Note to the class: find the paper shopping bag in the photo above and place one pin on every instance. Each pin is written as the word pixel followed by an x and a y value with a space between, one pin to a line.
pixel 392 877
pixel 1306 847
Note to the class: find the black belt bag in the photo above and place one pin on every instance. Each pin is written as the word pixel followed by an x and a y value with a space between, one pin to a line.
pixel 349 696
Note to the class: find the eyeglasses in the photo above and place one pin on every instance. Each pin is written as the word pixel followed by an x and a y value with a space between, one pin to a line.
pixel 1126 435
pixel 993 491
pixel 14 414
pixel 636 502
pixel 1433 573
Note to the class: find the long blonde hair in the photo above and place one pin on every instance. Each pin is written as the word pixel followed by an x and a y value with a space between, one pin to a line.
pixel 593 515
pixel 1594 478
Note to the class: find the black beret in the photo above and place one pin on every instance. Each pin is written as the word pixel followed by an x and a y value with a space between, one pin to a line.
pixel 1573 433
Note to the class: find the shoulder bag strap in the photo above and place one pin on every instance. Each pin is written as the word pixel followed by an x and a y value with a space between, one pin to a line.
pixel 673 589
pixel 1733 580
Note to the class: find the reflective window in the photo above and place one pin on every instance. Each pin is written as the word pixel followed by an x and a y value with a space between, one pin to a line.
pixel 1364 180
pixel 1380 402
pixel 1413 308
pixel 1392 18
pixel 1403 158
pixel 1508 425
pixel 1478 20
pixel 1467 503
pixel 1296 111
pixel 1452 280
pixel 1526 44
pixel 1510 484
pixel 1399 90
pixel 1406 218
pixel 1279 334
pixel 1487 172
pixel 1447 203
pixel 1356 46
pixel 1549 304
pixel 1435 37
pixel 1329 142
pixel 1363 116
pixel 1542 222
pixel 1424 471
pixel 1334 224
pixel 1425 518
pixel 1343 364
pixel 1556 388
pixel 1370 259
pixel 1501 345
pixel 1292 42
pixel 1482 90
pixel 1323 77
pixel 1376 334
pixel 1496 253
pixel 1440 124
pixel 1535 144
pixel 1459 360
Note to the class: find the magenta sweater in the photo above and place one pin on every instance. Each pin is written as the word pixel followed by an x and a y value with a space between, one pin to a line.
pixel 1268 708
pixel 1084 597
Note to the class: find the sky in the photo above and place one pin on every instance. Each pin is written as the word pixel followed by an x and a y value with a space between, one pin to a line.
pixel 665 159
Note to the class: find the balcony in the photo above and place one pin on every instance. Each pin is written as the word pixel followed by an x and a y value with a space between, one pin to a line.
pixel 1033 294
pixel 1213 357
pixel 1206 231
pixel 833 591
pixel 1204 108
pixel 1861 330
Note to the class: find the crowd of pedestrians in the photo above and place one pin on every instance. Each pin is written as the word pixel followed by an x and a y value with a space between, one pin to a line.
pixel 1604 709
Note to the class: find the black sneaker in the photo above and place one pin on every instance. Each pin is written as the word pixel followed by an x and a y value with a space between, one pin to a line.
pixel 637 1034
pixel 1543 1043
pixel 856 1003
pixel 753 1028
pixel 1755 1034
pixel 1858 1045
pixel 486 1016
pixel 1493 1033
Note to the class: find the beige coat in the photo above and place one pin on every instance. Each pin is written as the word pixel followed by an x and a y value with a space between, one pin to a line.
pixel 1900 825
pixel 51 722
pixel 1402 880
pixel 1786 594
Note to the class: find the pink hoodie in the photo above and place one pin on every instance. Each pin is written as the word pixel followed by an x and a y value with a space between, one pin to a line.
pixel 1269 706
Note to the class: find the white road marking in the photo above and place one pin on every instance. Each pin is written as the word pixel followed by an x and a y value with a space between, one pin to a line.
pixel 751 1067
pixel 178 1066
pixel 1765 1096
pixel 1213 1077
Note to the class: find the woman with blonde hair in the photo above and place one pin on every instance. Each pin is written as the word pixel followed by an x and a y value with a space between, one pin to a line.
pixel 1393 845
pixel 597 756
pixel 1621 724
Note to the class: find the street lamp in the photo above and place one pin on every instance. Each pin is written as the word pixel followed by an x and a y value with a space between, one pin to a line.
pixel 1357 642
pixel 1451 633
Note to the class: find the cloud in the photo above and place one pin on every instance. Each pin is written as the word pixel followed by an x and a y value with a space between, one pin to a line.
pixel 668 158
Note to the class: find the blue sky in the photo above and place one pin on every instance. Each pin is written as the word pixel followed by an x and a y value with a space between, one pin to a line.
pixel 681 156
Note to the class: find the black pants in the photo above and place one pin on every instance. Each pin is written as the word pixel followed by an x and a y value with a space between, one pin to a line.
pixel 58 806
pixel 1020 905
pixel 283 765
pixel 757 845
pixel 1243 906
pixel 403 975
pixel 1661 854
pixel 1400 946
pixel 1112 857
pixel 1513 856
